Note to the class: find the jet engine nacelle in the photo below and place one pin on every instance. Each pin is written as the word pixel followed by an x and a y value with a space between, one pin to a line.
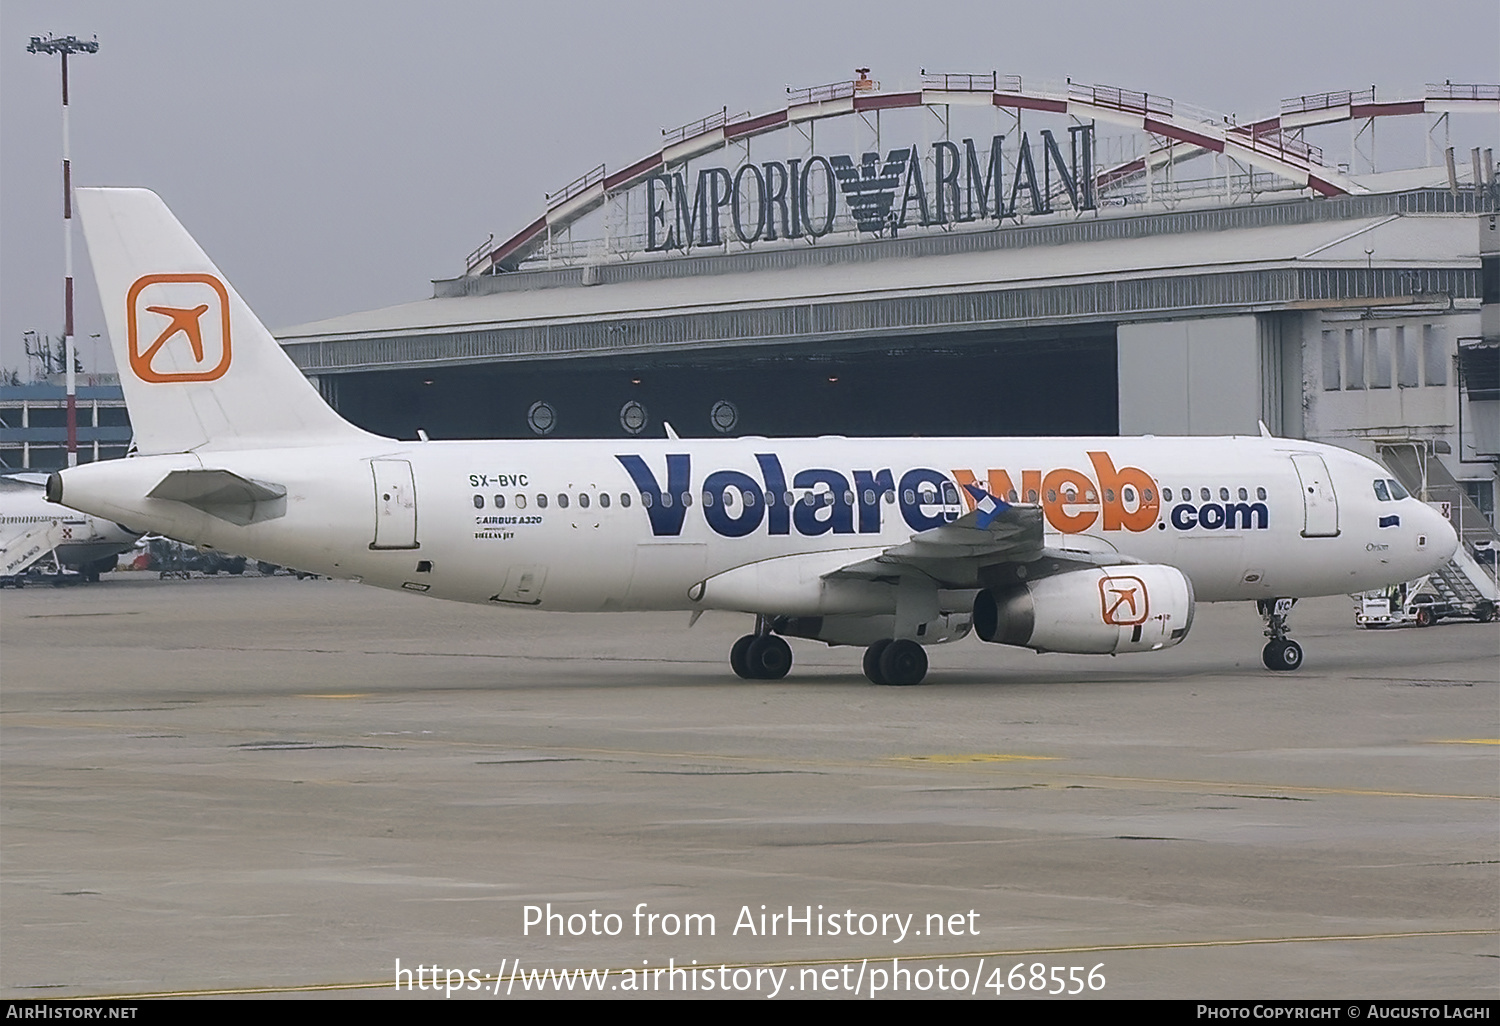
pixel 1099 610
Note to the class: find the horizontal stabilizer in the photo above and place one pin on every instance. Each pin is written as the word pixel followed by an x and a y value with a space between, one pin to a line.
pixel 222 494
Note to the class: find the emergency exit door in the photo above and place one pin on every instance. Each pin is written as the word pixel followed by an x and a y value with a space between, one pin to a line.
pixel 395 505
pixel 1320 506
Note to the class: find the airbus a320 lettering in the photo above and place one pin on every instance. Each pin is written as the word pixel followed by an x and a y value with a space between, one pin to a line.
pixel 1084 545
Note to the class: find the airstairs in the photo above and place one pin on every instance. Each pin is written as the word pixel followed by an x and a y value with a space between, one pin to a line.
pixel 22 552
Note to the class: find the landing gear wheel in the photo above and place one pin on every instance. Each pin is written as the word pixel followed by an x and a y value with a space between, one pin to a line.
pixel 769 657
pixel 1424 618
pixel 1484 612
pixel 903 662
pixel 739 657
pixel 872 661
pixel 1282 655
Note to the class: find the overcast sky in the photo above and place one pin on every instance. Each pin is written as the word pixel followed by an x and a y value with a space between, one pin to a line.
pixel 335 156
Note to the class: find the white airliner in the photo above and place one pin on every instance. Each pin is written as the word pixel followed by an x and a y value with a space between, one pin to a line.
pixel 31 531
pixel 1086 545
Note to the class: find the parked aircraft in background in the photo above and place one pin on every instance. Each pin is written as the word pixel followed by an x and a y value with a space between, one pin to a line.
pixel 33 530
pixel 1098 545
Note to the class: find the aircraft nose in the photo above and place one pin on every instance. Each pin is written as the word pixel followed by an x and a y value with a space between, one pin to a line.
pixel 1442 540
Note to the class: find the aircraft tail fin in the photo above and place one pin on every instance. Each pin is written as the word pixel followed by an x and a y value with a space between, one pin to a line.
pixel 199 370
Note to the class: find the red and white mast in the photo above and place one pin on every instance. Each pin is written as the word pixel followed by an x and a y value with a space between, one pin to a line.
pixel 64 47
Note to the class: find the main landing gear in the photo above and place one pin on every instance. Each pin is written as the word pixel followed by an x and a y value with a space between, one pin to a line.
pixel 899 662
pixel 762 655
pixel 1281 652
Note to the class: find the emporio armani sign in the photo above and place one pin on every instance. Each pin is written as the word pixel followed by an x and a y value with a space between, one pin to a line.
pixel 799 198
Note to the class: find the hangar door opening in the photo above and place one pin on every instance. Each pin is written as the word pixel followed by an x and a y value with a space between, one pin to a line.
pixel 1056 382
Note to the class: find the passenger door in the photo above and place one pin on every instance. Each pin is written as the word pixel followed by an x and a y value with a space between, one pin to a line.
pixel 395 505
pixel 1320 506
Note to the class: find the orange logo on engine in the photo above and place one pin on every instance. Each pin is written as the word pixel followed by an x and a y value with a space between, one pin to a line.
pixel 1123 601
pixel 178 327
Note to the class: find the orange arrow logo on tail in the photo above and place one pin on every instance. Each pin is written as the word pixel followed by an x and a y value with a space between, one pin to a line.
pixel 210 347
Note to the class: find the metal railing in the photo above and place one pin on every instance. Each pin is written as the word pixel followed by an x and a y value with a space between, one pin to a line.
pixel 477 257
pixel 1121 99
pixel 1274 140
pixel 1324 101
pixel 1462 91
pixel 718 119
pixel 821 93
pixel 966 83
pixel 576 186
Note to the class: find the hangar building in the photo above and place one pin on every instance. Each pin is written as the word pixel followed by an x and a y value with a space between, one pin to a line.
pixel 977 256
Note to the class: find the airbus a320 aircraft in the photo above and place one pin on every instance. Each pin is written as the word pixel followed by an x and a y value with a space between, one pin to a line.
pixel 1086 545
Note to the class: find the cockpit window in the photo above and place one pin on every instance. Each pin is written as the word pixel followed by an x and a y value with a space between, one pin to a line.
pixel 1380 492
pixel 1397 492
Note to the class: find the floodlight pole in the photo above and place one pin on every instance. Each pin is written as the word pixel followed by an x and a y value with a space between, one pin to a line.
pixel 64 47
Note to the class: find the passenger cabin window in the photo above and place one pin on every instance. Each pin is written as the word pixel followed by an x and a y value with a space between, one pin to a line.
pixel 1244 495
pixel 499 502
pixel 583 500
pixel 1203 494
pixel 1260 493
pixel 541 500
pixel 604 500
pixel 1223 494
pixel 625 499
pixel 520 501
pixel 562 500
pixel 479 502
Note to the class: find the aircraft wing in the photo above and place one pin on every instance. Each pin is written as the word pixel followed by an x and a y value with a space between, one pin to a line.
pixel 988 543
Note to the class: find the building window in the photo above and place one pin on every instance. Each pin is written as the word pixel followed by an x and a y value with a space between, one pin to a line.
pixel 1408 361
pixel 1434 356
pixel 1331 380
pixel 1354 358
pixel 1482 494
pixel 1380 357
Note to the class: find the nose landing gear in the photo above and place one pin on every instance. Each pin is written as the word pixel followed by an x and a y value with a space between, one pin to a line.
pixel 1281 652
